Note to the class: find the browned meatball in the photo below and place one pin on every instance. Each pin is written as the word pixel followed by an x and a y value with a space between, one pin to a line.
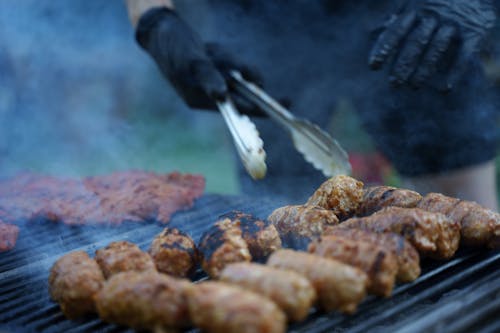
pixel 220 307
pixel 291 291
pixel 123 256
pixel 338 286
pixel 73 281
pixel 174 253
pixel 144 300
pixel 378 263
pixel 298 225
pixel 342 194
pixel 377 197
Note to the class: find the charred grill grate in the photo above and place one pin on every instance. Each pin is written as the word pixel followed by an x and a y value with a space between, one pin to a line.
pixel 460 295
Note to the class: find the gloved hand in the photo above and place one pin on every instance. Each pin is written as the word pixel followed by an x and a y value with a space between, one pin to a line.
pixel 431 34
pixel 195 70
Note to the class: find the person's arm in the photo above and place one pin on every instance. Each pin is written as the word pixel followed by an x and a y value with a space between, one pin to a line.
pixel 138 7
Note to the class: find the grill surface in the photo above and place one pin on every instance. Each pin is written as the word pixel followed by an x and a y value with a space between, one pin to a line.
pixel 460 295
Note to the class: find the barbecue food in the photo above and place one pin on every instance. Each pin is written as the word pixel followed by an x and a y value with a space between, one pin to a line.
pixel 144 300
pixel 342 194
pixel 73 281
pixel 432 234
pixel 297 225
pixel 220 307
pixel 406 255
pixel 174 253
pixel 8 236
pixel 377 197
pixel 292 292
pixel 379 264
pixel 338 286
pixel 480 226
pixel 123 256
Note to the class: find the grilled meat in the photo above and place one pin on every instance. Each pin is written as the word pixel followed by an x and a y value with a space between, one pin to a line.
pixel 73 281
pixel 8 236
pixel 479 226
pixel 292 292
pixel 174 253
pixel 298 225
pixel 338 286
pixel 220 307
pixel 342 194
pixel 377 197
pixel 123 256
pixel 144 300
pixel 432 234
pixel 379 264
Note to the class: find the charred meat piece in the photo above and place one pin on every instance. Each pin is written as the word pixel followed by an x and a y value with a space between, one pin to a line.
pixel 342 194
pixel 298 225
pixel 432 234
pixel 406 255
pixel 73 281
pixel 479 226
pixel 379 264
pixel 291 291
pixel 338 286
pixel 174 253
pixel 220 307
pixel 123 256
pixel 377 197
pixel 144 300
pixel 8 236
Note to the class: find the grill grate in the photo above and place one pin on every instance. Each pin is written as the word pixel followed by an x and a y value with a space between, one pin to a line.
pixel 460 295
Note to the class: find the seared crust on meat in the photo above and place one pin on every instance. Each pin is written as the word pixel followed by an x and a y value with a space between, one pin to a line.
pixel 338 286
pixel 73 281
pixel 378 263
pixel 174 253
pixel 297 225
pixel 342 194
pixel 220 307
pixel 123 256
pixel 144 300
pixel 377 197
pixel 432 234
pixel 291 291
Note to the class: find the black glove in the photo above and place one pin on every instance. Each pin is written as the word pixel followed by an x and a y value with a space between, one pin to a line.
pixel 195 70
pixel 430 36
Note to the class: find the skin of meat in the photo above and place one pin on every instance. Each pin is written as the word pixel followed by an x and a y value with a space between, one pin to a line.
pixel 377 197
pixel 73 281
pixel 379 264
pixel 406 255
pixel 8 236
pixel 291 291
pixel 221 245
pixel 220 307
pixel 338 286
pixel 432 234
pixel 174 253
pixel 144 300
pixel 123 256
pixel 298 225
pixel 342 194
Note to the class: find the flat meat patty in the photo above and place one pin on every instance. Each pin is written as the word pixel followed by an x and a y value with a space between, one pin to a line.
pixel 74 280
pixel 291 291
pixel 123 256
pixel 338 286
pixel 377 197
pixel 8 236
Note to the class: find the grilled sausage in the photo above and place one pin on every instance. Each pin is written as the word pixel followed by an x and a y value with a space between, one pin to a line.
pixel 377 197
pixel 123 256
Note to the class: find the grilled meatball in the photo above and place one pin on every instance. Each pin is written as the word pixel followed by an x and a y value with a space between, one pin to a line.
pixel 144 300
pixel 73 281
pixel 298 225
pixel 378 263
pixel 174 253
pixel 432 234
pixel 377 197
pixel 8 236
pixel 342 194
pixel 220 307
pixel 406 255
pixel 338 286
pixel 480 226
pixel 292 292
pixel 123 256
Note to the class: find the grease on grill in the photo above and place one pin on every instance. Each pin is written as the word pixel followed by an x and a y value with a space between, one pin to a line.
pixel 123 256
